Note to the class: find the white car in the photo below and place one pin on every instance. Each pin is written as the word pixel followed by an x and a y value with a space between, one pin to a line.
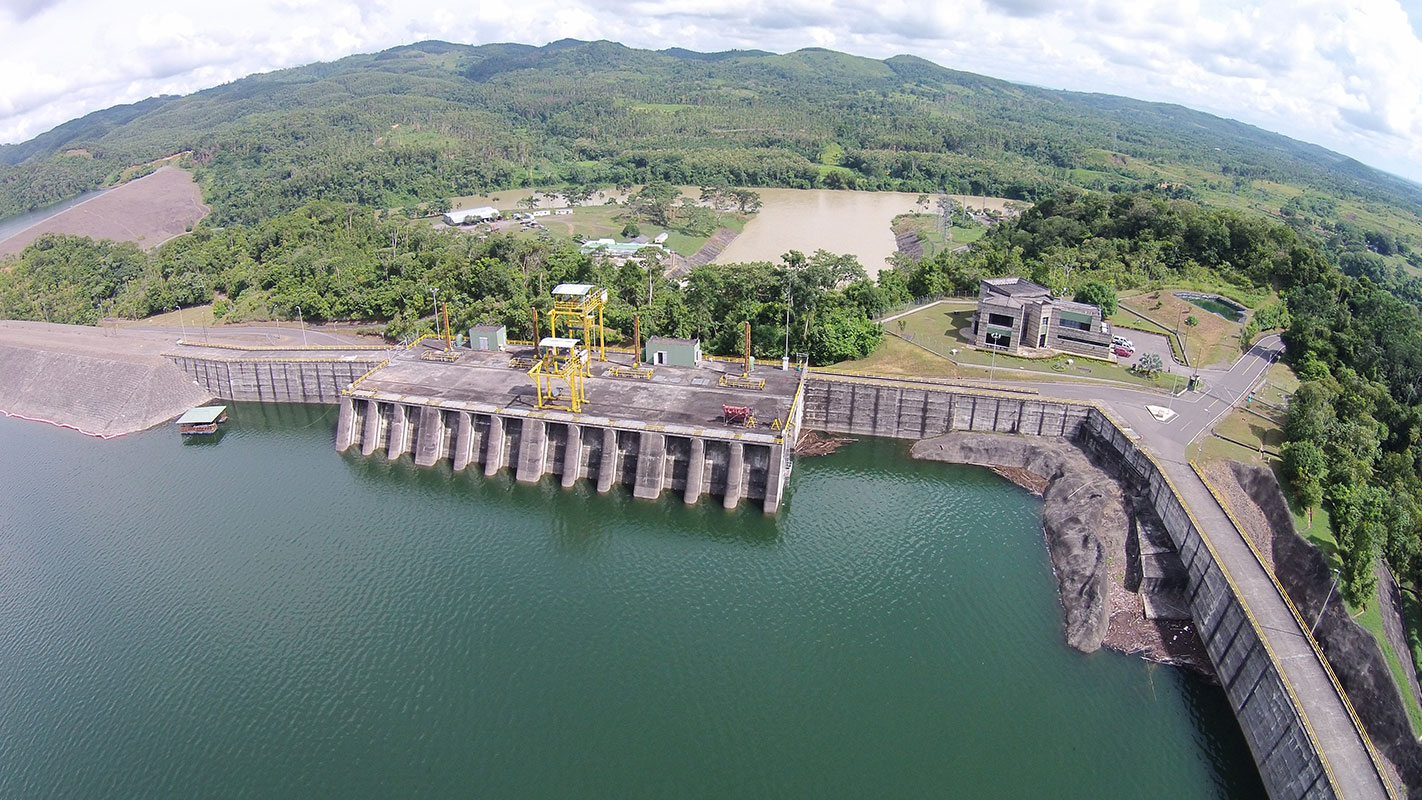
pixel 1122 341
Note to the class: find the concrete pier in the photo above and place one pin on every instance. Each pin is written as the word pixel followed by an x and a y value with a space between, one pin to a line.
pixel 370 439
pixel 533 450
pixel 463 440
pixel 429 441
pixel 735 470
pixel 776 467
pixel 695 471
pixel 650 436
pixel 344 423
pixel 399 432
pixel 607 470
pixel 572 455
pixel 494 446
pixel 651 466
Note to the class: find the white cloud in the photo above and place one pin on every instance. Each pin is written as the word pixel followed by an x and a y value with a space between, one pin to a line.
pixel 1346 74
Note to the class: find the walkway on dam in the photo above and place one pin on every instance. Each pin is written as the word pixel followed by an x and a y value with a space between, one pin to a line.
pixel 1343 748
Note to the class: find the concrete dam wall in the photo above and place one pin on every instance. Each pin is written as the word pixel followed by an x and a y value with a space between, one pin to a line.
pixel 276 380
pixel 1284 749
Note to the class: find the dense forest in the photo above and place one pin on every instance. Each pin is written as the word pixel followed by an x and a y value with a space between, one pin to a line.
pixel 430 121
pixel 349 263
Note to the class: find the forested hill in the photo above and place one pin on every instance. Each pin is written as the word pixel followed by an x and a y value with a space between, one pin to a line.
pixel 433 120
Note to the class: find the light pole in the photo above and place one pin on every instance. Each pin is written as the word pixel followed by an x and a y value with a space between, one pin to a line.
pixel 789 303
pixel 996 337
pixel 434 306
pixel 302 323
pixel 180 321
pixel 1326 598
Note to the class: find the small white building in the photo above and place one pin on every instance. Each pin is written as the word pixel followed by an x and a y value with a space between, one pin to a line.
pixel 464 216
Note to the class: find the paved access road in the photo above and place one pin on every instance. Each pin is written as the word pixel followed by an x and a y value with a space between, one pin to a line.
pixel 1343 748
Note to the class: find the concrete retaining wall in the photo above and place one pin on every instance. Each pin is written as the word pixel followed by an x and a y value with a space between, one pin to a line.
pixel 313 380
pixel 1283 750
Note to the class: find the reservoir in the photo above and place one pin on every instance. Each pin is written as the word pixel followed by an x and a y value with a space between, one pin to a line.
pixel 254 615
pixel 10 226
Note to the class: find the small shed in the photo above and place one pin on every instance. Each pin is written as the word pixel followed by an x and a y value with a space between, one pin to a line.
pixel 666 351
pixel 488 337
pixel 202 420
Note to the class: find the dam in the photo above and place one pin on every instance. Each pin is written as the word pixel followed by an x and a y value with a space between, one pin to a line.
pixel 667 429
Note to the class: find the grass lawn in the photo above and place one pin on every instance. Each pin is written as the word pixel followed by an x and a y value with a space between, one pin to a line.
pixel 926 226
pixel 1215 340
pixel 897 357
pixel 1262 421
pixel 938 329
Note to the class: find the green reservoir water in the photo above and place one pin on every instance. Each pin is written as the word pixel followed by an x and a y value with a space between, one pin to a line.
pixel 262 617
pixel 1216 306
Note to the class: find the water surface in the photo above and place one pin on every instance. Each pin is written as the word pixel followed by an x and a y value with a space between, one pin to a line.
pixel 259 616
pixel 10 226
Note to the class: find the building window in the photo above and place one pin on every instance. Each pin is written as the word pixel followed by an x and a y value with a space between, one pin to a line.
pixel 1001 320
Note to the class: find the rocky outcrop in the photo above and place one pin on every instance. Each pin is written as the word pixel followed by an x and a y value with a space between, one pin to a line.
pixel 1352 651
pixel 1083 517
pixel 1119 577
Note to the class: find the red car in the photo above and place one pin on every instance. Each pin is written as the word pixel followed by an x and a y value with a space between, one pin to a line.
pixel 1123 351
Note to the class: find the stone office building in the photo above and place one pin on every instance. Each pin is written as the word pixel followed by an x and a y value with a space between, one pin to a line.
pixel 1020 317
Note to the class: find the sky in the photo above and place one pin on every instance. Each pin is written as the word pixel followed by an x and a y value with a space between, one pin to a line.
pixel 1344 74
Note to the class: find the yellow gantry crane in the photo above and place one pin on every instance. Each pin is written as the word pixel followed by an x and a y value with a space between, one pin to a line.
pixel 578 308
pixel 566 361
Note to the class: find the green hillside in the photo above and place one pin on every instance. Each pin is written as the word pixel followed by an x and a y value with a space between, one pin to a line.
pixel 434 120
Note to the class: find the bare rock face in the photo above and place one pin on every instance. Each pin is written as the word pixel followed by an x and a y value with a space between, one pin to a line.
pixel 1083 517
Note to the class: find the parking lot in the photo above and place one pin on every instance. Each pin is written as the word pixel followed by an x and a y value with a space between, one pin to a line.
pixel 1150 343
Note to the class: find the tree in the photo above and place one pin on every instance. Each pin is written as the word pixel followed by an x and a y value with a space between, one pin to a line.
pixel 1150 364
pixel 1098 294
pixel 656 203
pixel 922 203
pixel 631 231
pixel 1192 320
pixel 840 335
pixel 576 195
pixel 747 200
pixel 529 202
pixel 1306 468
